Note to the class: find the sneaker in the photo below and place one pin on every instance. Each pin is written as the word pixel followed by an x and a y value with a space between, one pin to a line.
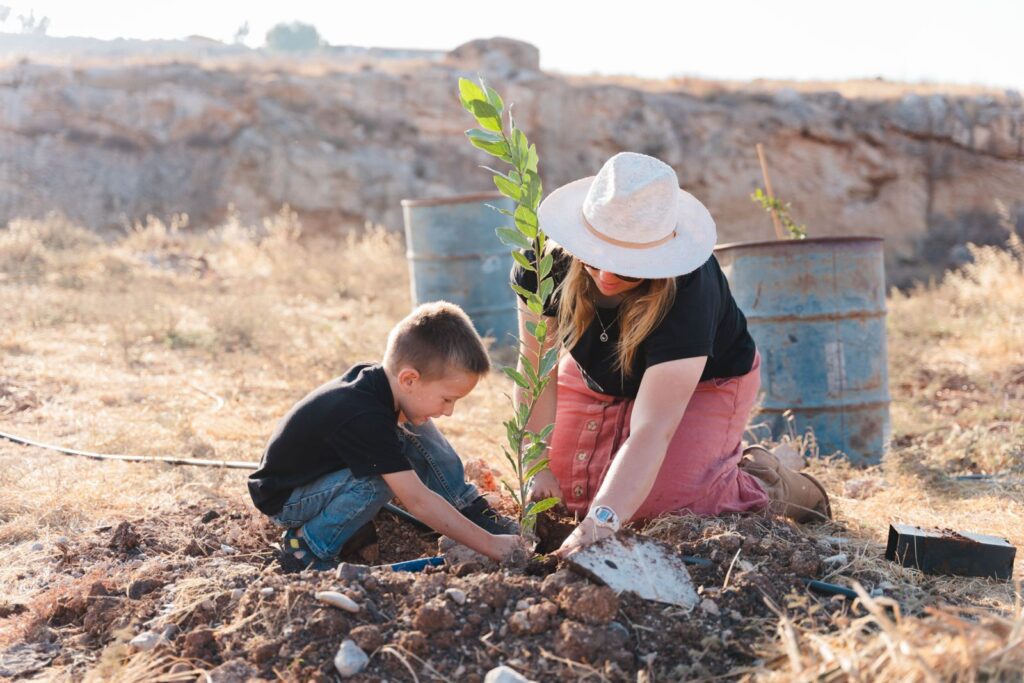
pixel 292 543
pixel 487 518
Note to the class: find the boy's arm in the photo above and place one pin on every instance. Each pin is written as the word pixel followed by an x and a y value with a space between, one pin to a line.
pixel 441 516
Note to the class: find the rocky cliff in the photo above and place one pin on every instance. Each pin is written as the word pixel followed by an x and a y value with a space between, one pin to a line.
pixel 108 145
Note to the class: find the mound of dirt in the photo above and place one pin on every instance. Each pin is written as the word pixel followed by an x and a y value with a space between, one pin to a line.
pixel 228 606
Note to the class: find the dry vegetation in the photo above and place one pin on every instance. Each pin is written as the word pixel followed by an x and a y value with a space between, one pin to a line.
pixel 170 341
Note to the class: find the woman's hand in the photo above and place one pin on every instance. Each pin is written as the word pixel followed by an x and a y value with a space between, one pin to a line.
pixel 586 533
pixel 543 485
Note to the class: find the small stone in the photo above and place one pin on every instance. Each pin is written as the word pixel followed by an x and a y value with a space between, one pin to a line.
pixel 266 592
pixel 710 606
pixel 522 604
pixel 368 637
pixel 840 558
pixel 350 659
pixel 504 674
pixel 146 641
pixel 207 605
pixel 36 547
pixel 236 594
pixel 180 667
pixel 63 540
pixel 226 549
pixel 169 631
pixel 351 572
pixel 338 600
pixel 457 596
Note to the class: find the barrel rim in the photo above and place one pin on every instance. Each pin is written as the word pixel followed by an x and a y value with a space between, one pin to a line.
pixel 809 240
pixel 455 199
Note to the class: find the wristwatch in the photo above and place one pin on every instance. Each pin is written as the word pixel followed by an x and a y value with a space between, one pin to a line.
pixel 606 517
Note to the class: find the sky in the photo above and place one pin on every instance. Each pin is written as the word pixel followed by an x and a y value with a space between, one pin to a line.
pixel 907 40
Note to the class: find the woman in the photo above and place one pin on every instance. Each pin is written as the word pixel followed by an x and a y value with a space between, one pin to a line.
pixel 652 400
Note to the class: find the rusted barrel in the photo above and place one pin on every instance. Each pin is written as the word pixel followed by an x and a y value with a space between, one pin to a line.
pixel 455 256
pixel 816 309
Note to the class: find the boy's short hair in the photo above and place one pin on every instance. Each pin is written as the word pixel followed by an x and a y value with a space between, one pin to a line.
pixel 434 338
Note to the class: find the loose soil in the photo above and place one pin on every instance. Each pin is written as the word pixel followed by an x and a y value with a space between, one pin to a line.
pixel 206 579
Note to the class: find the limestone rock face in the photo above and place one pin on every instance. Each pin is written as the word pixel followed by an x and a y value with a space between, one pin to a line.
pixel 110 145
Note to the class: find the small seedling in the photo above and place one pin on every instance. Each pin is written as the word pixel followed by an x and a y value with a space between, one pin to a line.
pixel 780 209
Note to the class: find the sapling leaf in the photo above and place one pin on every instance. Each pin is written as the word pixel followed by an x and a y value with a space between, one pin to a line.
pixel 516 377
pixel 486 115
pixel 521 259
pixel 535 469
pixel 507 188
pixel 547 285
pixel 544 505
pixel 545 265
pixel 494 99
pixel 513 238
pixel 548 362
pixel 526 221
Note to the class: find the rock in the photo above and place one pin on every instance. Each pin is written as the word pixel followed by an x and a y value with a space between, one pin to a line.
pixel 457 555
pixel 413 641
pixel 368 637
pixel 124 539
pixel 140 587
pixel 267 592
pixel 233 671
pixel 226 549
pixel 146 641
pixel 532 620
pixel 553 584
pixel 200 644
pixel 589 603
pixel 236 594
pixel 338 600
pixel 209 516
pixel 710 607
pixel 838 559
pixel 505 674
pixel 37 547
pixel 433 616
pixel 352 572
pixel 522 604
pixel 591 643
pixel 457 596
pixel 350 659
pixel 497 57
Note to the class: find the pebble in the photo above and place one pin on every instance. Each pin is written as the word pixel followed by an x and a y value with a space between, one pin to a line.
pixel 351 572
pixel 62 539
pixel 36 547
pixel 207 605
pixel 226 549
pixel 709 606
pixel 338 600
pixel 504 674
pixel 237 593
pixel 841 558
pixel 522 604
pixel 266 592
pixel 350 659
pixel 457 596
pixel 146 641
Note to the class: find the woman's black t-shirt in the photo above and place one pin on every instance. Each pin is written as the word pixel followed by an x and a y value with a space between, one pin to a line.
pixel 703 321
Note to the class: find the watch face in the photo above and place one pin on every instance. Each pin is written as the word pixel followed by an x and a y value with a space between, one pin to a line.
pixel 603 515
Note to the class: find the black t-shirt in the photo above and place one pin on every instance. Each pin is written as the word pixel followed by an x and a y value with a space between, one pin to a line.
pixel 348 422
pixel 703 321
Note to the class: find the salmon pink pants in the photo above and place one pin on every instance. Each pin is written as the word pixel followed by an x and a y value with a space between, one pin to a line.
pixel 699 474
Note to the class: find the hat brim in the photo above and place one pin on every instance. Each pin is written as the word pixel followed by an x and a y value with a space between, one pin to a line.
pixel 561 218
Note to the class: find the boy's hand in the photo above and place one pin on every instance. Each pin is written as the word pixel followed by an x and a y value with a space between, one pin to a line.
pixel 509 549
pixel 543 485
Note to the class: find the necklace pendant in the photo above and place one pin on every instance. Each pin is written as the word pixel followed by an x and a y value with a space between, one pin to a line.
pixel 603 336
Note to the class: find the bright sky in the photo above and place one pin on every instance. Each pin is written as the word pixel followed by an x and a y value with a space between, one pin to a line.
pixel 954 41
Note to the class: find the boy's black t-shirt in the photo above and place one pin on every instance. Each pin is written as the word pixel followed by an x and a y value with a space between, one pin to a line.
pixel 349 422
pixel 704 320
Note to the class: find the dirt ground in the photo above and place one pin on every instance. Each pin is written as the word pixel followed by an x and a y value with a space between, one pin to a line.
pixel 205 578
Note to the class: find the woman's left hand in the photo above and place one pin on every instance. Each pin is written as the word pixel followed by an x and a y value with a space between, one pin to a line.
pixel 583 535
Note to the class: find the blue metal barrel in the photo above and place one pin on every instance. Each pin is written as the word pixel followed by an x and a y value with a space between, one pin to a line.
pixel 816 309
pixel 455 256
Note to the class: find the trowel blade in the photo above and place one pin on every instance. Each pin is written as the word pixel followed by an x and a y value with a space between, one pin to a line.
pixel 650 569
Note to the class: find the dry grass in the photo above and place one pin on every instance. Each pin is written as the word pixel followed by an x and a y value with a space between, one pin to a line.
pixel 180 342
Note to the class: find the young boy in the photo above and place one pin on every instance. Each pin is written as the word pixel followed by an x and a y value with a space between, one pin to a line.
pixel 351 445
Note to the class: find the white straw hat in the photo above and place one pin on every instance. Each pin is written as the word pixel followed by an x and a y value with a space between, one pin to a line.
pixel 631 219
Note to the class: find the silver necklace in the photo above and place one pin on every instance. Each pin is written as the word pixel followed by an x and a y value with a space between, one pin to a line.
pixel 604 329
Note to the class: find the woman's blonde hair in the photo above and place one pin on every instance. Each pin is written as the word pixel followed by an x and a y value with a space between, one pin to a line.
pixel 641 310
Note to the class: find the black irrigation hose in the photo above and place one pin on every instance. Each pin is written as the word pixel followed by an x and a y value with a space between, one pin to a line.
pixel 236 464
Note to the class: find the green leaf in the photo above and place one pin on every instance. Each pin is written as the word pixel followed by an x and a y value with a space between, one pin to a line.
pixel 546 432
pixel 515 178
pixel 469 92
pixel 535 308
pixel 526 221
pixel 531 190
pixel 486 115
pixel 537 468
pixel 522 411
pixel 513 492
pixel 520 147
pixel 531 327
pixel 522 291
pixel 548 362
pixel 521 259
pixel 532 159
pixel 496 149
pixel 516 377
pixel 531 371
pixel 512 434
pixel 484 136
pixel 513 238
pixel 494 99
pixel 544 505
pixel 545 265
pixel 507 188
pixel 547 285
pixel 540 331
